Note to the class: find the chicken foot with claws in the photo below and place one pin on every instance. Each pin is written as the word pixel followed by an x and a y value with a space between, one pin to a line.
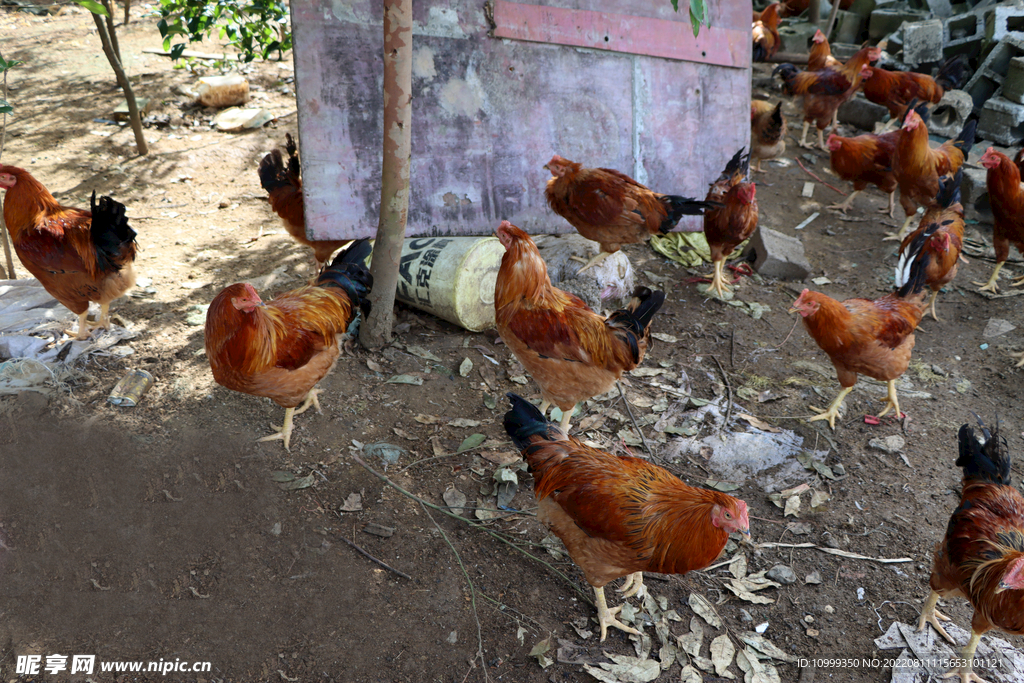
pixel 285 432
pixel 606 616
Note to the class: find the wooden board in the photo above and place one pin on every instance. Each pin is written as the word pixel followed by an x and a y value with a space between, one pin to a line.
pixel 489 112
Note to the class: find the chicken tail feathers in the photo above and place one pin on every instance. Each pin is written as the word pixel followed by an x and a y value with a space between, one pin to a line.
pixel 677 207
pixel 760 53
pixel 788 72
pixel 965 140
pixel 951 73
pixel 275 173
pixel 349 273
pixel 636 317
pixel 525 420
pixel 949 189
pixel 774 130
pixel 983 459
pixel 110 232
pixel 911 270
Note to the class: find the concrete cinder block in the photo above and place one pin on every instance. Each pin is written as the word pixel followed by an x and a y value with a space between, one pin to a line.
pixel 886 20
pixel 1013 85
pixel 964 34
pixel 1007 21
pixel 973 186
pixel 848 27
pixel 844 51
pixel 863 7
pixel 797 36
pixel 1002 121
pixel 922 41
pixel 777 255
pixel 940 8
pixel 862 113
pixel 950 114
pixel 987 81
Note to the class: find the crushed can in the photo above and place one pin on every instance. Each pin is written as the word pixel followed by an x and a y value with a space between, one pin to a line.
pixel 129 389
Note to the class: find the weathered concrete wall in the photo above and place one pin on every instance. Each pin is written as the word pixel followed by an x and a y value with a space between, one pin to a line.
pixel 488 113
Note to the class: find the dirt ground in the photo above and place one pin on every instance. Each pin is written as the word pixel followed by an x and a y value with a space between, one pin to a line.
pixel 162 532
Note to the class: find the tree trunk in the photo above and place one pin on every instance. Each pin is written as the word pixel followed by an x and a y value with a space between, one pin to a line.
pixel 127 11
pixel 126 86
pixel 814 12
pixel 394 187
pixel 111 33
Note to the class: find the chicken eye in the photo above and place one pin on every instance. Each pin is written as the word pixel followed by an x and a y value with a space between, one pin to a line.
pixel 728 515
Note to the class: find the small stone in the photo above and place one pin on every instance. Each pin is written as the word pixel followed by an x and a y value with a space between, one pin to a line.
pixel 276 529
pixel 829 609
pixel 812 632
pixel 809 618
pixel 778 255
pixel 938 370
pixel 997 327
pixel 379 530
pixel 813 578
pixel 783 574
pixel 745 616
pixel 890 444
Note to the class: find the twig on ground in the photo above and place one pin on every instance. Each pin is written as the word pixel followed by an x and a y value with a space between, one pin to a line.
pixel 433 457
pixel 840 553
pixel 371 557
pixel 472 592
pixel 728 388
pixel 816 177
pixel 632 419
pixel 443 510
pixel 787 336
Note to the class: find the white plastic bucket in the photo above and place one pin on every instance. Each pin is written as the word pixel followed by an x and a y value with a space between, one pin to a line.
pixel 451 277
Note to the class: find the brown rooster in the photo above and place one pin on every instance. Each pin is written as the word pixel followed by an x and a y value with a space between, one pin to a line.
pixel 864 159
pixel 570 351
pixel 895 90
pixel 284 184
pixel 611 208
pixel 825 89
pixel 733 217
pixel 765 33
pixel 280 349
pixel 981 557
pixel 1007 199
pixel 77 255
pixel 619 515
pixel 873 338
pixel 918 167
pixel 939 240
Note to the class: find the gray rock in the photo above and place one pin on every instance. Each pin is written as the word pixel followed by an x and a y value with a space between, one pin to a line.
pixel 778 255
pixel 862 113
pixel 782 574
pixel 890 444
pixel 745 616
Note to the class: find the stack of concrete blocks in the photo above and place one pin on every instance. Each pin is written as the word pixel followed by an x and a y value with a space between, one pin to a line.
pixel 997 86
pixel 964 34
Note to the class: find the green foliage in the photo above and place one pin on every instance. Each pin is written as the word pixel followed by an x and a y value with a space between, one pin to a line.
pixel 94 7
pixel 256 28
pixel 698 14
pixel 5 107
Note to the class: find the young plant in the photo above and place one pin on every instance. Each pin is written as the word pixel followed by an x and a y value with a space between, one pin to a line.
pixel 256 28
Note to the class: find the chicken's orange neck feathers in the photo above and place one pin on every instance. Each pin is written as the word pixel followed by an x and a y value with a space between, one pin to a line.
pixel 830 323
pixel 1006 174
pixel 523 273
pixel 26 202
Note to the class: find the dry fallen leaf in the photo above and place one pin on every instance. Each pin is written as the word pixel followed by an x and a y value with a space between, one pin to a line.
pixel 427 419
pixel 353 503
pixel 691 642
pixel 792 506
pixel 373 365
pixel 625 670
pixel 722 651
pixel 466 367
pixel 699 604
pixel 464 422
pixel 404 434
pixel 738 566
pixel 759 423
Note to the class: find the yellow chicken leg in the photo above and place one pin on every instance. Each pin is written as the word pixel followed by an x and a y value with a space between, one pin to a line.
pixel 284 432
pixel 803 136
pixel 821 141
pixel 891 401
pixel 1020 355
pixel 899 235
pixel 930 615
pixel 845 205
pixel 991 285
pixel 1019 282
pixel 600 257
pixel 606 617
pixel 966 670
pixel 931 304
pixel 84 326
pixel 633 585
pixel 833 410
pixel 892 205
pixel 718 281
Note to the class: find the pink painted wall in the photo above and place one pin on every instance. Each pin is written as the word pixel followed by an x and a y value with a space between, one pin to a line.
pixel 488 112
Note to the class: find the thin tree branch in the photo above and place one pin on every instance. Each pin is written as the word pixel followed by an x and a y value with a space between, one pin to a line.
pixel 3 225
pixel 110 29
pixel 371 557
pixel 126 86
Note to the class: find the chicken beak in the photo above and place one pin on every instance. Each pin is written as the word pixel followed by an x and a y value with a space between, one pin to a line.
pixel 1000 588
pixel 745 538
pixel 793 309
pixel 547 167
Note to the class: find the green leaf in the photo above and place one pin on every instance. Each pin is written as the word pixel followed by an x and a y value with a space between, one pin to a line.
pixel 471 442
pixel 94 7
pixel 675 5
pixel 698 15
pixel 5 108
